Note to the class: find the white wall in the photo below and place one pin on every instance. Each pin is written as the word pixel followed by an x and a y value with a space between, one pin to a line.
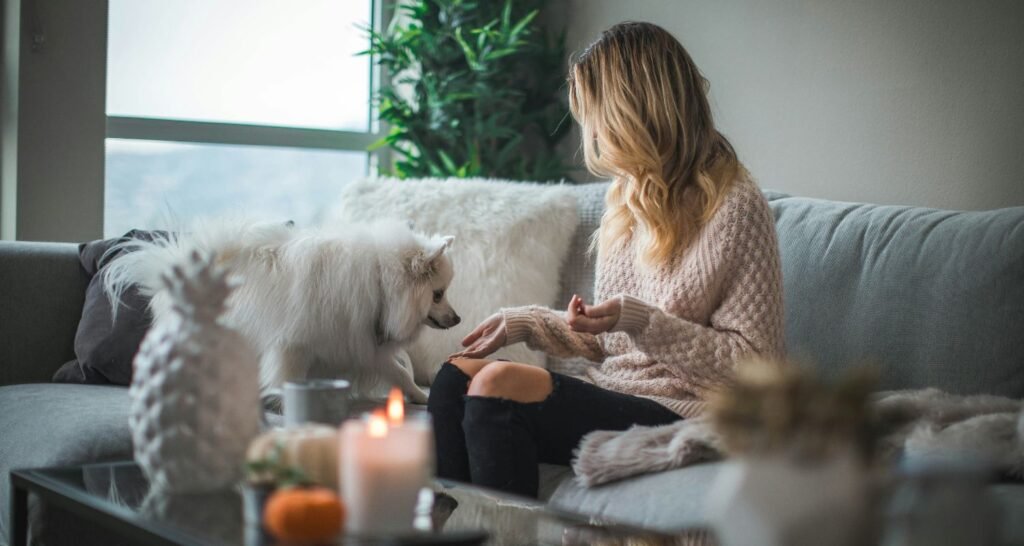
pixel 889 101
pixel 53 120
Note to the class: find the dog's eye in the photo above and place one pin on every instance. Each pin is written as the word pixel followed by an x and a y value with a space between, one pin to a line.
pixel 438 294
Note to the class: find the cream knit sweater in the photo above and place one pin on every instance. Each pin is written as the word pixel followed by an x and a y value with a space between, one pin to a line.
pixel 683 326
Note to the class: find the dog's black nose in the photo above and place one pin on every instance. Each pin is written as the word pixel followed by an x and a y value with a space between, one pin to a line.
pixel 456 320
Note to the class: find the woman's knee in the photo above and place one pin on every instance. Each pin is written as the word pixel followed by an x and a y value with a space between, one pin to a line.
pixel 512 381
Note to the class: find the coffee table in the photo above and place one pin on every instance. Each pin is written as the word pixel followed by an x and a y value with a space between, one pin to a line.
pixel 115 497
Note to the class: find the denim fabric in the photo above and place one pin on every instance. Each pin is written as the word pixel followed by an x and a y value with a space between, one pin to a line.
pixel 446 410
pixel 499 443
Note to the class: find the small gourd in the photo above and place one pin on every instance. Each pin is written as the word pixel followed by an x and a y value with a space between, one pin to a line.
pixel 304 514
pixel 311 449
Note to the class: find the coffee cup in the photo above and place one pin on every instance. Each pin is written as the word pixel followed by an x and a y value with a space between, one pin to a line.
pixel 324 401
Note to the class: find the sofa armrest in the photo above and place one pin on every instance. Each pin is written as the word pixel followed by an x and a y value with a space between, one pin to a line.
pixel 42 289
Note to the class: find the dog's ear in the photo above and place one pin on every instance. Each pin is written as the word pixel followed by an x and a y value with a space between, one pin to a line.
pixel 423 263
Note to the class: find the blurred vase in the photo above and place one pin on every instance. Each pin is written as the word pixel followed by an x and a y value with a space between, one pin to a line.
pixel 195 389
pixel 776 501
pixel 942 502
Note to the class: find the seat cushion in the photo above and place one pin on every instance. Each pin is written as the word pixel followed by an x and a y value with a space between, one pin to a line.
pixel 46 425
pixel 664 501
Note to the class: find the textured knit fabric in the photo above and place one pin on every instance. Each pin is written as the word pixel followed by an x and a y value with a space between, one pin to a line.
pixel 683 325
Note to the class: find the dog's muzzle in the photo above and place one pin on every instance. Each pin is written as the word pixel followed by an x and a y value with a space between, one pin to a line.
pixel 444 322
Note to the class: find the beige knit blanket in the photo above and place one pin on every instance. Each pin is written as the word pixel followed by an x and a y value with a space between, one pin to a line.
pixel 919 425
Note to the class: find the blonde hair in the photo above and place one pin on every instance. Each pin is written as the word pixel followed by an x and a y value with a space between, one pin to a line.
pixel 643 109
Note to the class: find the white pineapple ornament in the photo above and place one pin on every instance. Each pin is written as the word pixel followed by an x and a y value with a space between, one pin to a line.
pixel 195 390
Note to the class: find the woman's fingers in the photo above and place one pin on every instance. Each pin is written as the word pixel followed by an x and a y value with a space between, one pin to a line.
pixel 593 324
pixel 585 324
pixel 480 349
pixel 477 332
pixel 573 309
pixel 607 308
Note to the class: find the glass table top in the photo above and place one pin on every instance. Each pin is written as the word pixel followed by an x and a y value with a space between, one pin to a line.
pixel 459 514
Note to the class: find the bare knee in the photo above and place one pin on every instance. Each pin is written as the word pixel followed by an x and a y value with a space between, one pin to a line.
pixel 511 381
pixel 492 380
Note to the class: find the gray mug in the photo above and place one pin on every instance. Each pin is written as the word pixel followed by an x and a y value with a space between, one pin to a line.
pixel 324 401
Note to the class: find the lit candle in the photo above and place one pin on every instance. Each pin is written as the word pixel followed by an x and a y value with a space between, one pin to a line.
pixel 385 462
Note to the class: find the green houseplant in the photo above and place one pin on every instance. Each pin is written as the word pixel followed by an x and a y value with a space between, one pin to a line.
pixel 472 88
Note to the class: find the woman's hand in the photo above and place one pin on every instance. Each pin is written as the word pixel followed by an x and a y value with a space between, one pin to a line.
pixel 487 338
pixel 593 319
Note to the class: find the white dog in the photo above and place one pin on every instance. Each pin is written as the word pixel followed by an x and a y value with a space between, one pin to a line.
pixel 314 303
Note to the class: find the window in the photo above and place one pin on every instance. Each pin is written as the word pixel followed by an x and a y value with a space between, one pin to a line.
pixel 223 106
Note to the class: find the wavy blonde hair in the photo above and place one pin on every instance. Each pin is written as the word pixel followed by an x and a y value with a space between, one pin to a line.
pixel 643 108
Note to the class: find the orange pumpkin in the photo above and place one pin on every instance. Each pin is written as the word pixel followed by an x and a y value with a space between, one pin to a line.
pixel 304 514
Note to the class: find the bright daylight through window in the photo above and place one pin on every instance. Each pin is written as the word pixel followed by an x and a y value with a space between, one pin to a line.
pixel 242 65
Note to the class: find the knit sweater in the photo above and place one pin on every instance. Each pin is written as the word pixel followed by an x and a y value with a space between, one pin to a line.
pixel 684 325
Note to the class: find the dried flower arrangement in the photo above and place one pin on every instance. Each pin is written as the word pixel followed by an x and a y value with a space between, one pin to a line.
pixel 779 408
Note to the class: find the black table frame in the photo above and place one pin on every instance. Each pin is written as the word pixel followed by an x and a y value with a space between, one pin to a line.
pixel 121 521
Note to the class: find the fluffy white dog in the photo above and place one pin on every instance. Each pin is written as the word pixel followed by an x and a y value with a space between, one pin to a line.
pixel 315 303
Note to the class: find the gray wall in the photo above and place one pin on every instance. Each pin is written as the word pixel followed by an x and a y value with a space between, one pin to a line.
pixel 54 120
pixel 890 101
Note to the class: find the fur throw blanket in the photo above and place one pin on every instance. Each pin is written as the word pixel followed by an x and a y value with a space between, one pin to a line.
pixel 919 425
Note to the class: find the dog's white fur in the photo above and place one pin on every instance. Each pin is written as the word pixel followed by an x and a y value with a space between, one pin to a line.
pixel 513 240
pixel 319 302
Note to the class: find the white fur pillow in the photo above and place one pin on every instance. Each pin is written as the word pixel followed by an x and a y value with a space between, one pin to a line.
pixel 510 241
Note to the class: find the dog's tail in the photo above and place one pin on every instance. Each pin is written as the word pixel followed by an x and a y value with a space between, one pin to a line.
pixel 140 263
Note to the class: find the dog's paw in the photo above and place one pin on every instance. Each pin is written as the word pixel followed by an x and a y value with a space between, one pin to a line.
pixel 417 396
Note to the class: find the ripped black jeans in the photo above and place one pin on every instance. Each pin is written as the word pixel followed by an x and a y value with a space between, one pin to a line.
pixel 498 443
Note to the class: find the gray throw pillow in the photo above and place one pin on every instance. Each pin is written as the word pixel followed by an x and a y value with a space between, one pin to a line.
pixel 105 348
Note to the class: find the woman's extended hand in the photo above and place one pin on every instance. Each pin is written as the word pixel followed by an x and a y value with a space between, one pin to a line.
pixel 593 319
pixel 485 339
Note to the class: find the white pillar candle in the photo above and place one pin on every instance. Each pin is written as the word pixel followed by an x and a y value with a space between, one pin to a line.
pixel 385 461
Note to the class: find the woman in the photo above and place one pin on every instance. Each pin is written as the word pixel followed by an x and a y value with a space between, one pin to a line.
pixel 688 280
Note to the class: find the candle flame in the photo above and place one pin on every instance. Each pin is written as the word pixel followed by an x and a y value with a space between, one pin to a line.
pixel 377 425
pixel 396 407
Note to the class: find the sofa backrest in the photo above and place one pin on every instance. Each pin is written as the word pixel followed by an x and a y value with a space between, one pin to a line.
pixel 42 288
pixel 931 298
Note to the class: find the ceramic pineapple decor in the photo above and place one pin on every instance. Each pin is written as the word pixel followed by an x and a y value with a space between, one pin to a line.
pixel 195 390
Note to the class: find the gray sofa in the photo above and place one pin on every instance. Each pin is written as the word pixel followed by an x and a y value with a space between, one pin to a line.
pixel 930 297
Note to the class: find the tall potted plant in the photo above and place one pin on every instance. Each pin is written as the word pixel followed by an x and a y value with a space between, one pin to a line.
pixel 472 88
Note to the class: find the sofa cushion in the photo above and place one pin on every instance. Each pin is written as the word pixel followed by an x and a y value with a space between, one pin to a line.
pixel 42 286
pixel 578 272
pixel 677 499
pixel 666 501
pixel 932 298
pixel 45 425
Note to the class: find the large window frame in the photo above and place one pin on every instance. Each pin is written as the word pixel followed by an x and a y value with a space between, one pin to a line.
pixel 55 125
pixel 243 134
